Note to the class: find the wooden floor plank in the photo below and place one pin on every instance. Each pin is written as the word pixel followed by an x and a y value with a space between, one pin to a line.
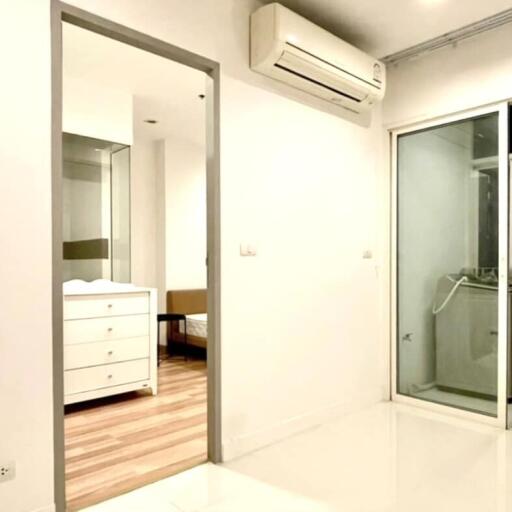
pixel 117 444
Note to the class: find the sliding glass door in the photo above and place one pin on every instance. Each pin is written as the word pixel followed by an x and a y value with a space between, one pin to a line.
pixel 451 263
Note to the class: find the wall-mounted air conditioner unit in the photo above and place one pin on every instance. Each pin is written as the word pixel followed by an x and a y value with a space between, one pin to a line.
pixel 289 48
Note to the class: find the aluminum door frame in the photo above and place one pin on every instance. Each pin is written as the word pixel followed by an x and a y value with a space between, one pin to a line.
pixel 502 109
pixel 61 12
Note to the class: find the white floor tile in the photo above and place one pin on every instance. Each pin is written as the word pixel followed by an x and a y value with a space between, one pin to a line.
pixel 202 486
pixel 136 501
pixel 268 500
pixel 388 458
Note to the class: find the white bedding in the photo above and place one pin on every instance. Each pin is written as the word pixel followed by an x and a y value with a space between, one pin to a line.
pixel 197 325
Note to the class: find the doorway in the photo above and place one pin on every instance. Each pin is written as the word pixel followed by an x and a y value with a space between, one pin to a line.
pixel 62 13
pixel 450 265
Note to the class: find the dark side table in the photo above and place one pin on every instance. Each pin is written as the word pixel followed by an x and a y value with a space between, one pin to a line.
pixel 172 317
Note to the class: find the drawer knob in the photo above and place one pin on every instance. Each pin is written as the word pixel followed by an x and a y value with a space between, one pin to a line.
pixel 110 376
pixel 110 352
pixel 110 329
pixel 110 305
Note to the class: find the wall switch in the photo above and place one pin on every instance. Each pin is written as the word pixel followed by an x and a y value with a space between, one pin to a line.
pixel 7 471
pixel 248 250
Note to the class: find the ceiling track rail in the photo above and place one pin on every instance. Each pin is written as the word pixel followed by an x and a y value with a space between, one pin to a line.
pixel 450 38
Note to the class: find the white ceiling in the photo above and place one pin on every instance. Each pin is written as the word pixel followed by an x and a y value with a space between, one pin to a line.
pixel 168 92
pixel 163 90
pixel 382 27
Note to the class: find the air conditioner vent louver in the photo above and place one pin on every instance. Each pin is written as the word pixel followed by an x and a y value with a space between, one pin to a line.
pixel 291 49
pixel 376 82
pixel 315 82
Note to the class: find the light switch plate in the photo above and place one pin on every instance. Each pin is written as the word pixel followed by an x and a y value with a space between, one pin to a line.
pixel 248 250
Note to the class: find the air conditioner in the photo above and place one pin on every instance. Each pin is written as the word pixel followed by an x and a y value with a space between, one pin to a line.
pixel 289 48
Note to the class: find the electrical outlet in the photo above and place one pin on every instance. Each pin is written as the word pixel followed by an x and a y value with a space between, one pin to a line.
pixel 7 471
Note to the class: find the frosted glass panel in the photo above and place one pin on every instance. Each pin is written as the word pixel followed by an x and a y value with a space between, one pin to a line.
pixel 448 264
pixel 121 215
pixel 96 209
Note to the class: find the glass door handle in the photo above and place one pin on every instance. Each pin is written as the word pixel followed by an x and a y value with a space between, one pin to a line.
pixel 407 337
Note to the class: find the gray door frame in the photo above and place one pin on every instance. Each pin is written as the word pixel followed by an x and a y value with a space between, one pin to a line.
pixel 62 12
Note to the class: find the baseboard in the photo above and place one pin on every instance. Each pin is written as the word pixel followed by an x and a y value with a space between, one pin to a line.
pixel 234 448
pixel 49 508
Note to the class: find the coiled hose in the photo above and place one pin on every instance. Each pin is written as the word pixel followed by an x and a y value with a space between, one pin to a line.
pixel 437 310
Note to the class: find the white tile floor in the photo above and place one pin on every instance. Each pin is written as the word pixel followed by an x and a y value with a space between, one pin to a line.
pixel 388 458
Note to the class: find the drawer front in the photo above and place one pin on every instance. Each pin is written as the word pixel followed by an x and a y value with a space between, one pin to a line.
pixel 98 377
pixel 92 306
pixel 109 328
pixel 81 355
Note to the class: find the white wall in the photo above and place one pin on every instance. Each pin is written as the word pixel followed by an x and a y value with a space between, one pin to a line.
pixel 274 153
pixel 185 198
pixel 301 185
pixel 298 344
pixel 26 430
pixel 143 197
pixel 160 262
pixel 300 334
pixel 97 112
pixel 148 217
pixel 476 72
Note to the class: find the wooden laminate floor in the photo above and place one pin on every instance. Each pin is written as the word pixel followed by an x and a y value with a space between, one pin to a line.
pixel 117 444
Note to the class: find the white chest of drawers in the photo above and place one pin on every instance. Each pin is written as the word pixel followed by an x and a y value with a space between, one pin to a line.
pixel 110 343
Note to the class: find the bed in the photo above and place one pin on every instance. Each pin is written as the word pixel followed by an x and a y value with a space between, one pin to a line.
pixel 191 303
